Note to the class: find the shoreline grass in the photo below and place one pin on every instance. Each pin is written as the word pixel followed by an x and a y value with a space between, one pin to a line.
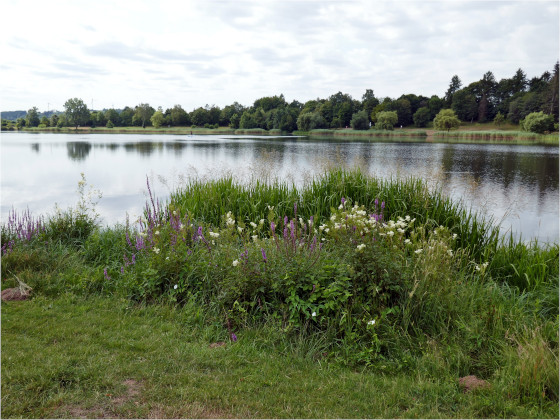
pixel 517 137
pixel 479 133
pixel 349 286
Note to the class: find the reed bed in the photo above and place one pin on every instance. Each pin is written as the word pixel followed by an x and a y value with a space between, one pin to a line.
pixel 498 136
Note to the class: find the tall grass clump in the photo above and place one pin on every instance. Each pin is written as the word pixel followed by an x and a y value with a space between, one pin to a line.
pixel 209 200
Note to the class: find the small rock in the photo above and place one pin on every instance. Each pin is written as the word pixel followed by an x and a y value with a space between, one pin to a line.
pixel 468 383
pixel 218 344
pixel 14 293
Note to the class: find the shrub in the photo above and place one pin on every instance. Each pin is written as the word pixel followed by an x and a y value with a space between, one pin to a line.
pixel 537 122
pixel 446 119
pixel 360 121
pixel 110 124
pixel 386 120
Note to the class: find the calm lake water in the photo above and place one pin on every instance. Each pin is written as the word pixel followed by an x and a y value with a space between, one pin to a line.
pixel 516 185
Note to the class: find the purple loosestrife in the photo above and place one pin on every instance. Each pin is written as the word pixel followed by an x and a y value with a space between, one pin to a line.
pixel 233 337
pixel 263 255
pixel 106 275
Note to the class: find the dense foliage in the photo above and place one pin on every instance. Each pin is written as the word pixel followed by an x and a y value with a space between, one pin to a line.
pixel 514 98
pixel 390 276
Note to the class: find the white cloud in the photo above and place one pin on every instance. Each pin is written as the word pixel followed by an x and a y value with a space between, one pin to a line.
pixel 216 52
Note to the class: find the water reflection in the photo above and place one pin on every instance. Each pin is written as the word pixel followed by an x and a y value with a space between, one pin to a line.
pixel 520 182
pixel 78 150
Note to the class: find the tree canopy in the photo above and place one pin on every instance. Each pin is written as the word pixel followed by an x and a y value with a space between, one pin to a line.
pixel 77 112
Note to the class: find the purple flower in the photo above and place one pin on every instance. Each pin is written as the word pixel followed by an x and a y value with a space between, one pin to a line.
pixel 106 275
pixel 233 337
pixel 263 254
pixel 343 200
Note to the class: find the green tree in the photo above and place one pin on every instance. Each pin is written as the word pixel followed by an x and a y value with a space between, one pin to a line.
pixel 77 112
pixel 179 116
pixel 45 121
pixel 435 104
pixel 360 120
pixel 20 123
pixel 369 101
pixel 386 120
pixel 54 120
pixel 126 116
pixel 454 86
pixel 310 121
pixel 538 122
pixel 199 117
pixel 112 116
pixel 422 117
pixel 157 118
pixel 446 119
pixel 32 117
pixel 464 104
pixel 403 110
pixel 499 119
pixel 143 113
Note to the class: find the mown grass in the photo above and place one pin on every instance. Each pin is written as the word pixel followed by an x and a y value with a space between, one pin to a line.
pixel 71 357
pixel 378 322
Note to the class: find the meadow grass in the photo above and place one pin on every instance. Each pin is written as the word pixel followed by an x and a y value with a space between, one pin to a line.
pixel 350 296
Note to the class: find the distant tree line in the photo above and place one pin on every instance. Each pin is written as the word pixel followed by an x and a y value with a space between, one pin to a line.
pixel 510 99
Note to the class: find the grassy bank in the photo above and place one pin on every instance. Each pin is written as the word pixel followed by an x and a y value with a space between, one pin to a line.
pixel 510 137
pixel 348 297
pixel 474 133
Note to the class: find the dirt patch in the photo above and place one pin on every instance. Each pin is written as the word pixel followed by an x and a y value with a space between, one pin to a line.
pixel 89 413
pixel 14 293
pixel 471 382
pixel 218 344
pixel 133 389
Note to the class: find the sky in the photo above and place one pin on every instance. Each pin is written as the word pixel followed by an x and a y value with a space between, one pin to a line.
pixel 193 53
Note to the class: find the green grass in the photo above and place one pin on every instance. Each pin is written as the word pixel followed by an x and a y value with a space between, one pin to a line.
pixel 101 357
pixel 498 136
pixel 371 133
pixel 209 200
pixel 104 338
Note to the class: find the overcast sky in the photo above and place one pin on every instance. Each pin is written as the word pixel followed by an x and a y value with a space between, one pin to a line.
pixel 192 53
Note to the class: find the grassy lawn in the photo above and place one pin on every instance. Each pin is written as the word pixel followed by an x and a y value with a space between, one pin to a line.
pixel 75 357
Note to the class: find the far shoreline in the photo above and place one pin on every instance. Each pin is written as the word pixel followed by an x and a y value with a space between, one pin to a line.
pixel 464 134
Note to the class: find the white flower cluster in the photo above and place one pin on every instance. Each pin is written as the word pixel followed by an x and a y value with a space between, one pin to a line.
pixel 356 217
pixel 230 221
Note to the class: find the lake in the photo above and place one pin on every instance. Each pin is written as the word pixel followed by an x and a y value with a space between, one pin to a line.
pixel 515 185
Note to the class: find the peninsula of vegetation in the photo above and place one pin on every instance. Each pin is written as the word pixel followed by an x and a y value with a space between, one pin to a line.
pixel 321 293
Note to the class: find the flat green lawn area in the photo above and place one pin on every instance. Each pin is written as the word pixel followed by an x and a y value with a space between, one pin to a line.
pixel 77 357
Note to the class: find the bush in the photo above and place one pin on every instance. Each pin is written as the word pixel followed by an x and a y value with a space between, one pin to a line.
pixel 386 120
pixel 446 119
pixel 360 121
pixel 537 122
pixel 310 121
pixel 110 124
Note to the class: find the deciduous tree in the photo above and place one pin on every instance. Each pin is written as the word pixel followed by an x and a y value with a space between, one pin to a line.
pixel 386 120
pixel 76 111
pixel 446 119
